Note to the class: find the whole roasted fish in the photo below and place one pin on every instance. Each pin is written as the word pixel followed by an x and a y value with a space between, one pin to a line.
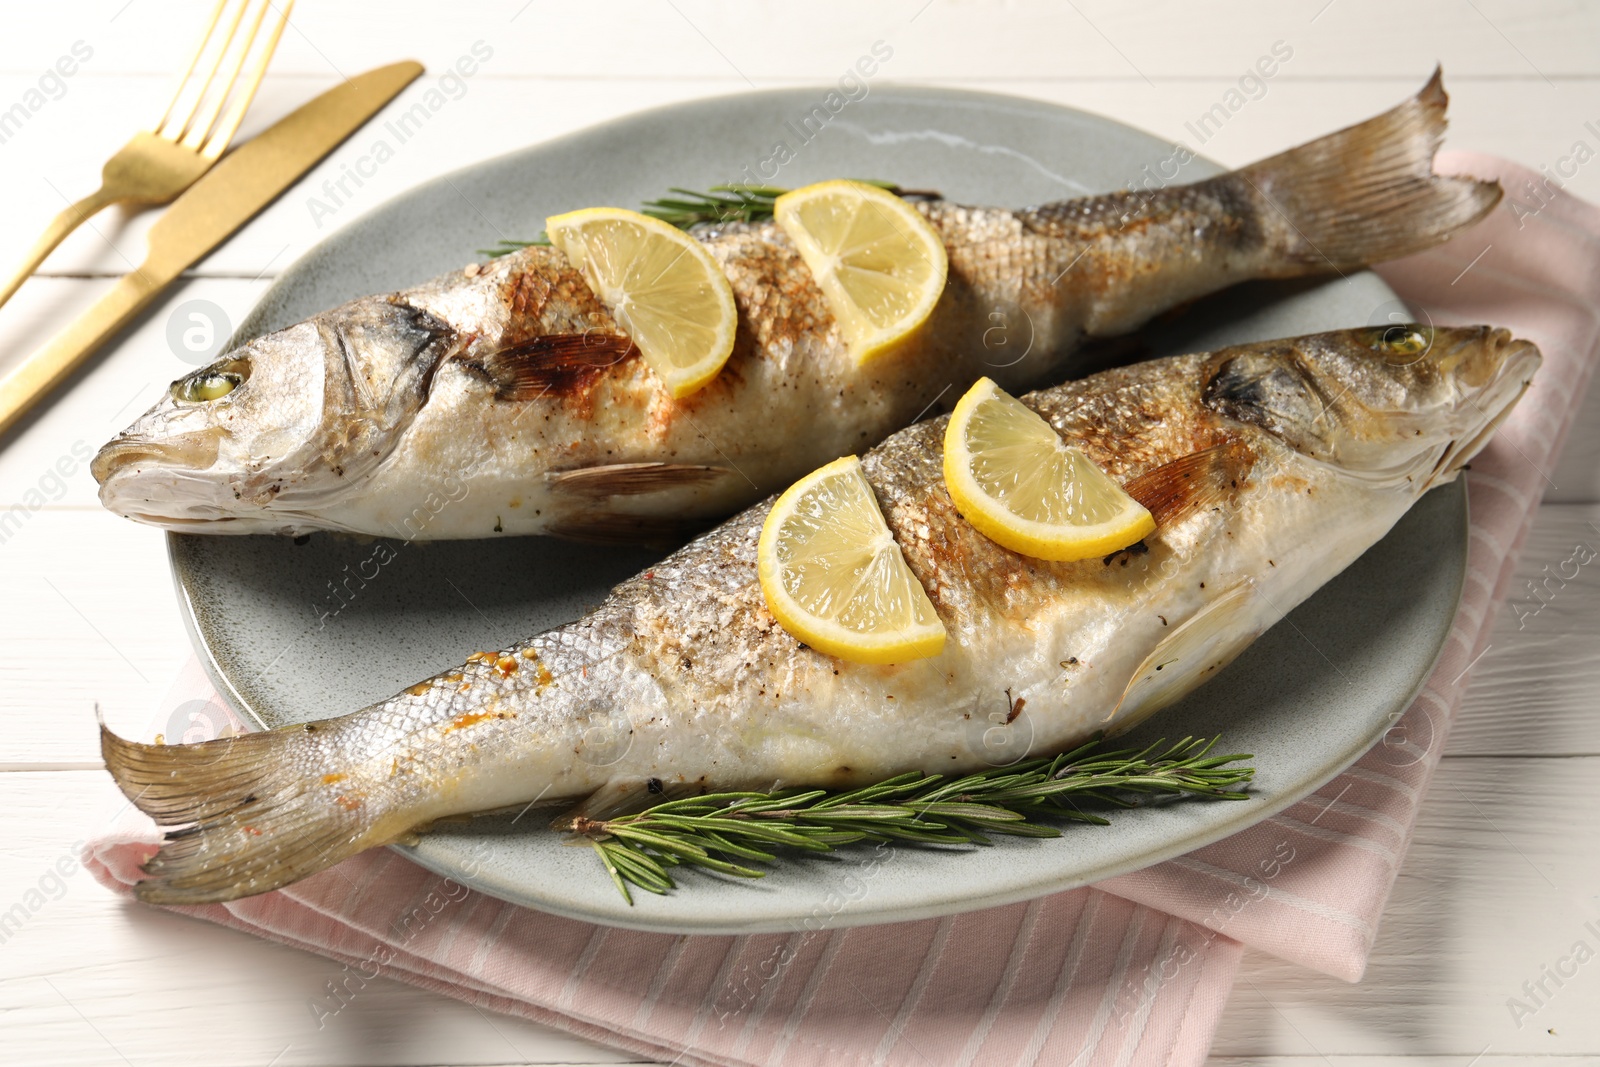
pixel 505 399
pixel 1269 468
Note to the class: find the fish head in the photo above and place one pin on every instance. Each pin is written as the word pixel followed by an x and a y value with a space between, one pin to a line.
pixel 1396 405
pixel 265 438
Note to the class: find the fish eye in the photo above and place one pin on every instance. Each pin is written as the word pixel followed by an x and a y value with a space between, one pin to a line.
pixel 211 383
pixel 1408 339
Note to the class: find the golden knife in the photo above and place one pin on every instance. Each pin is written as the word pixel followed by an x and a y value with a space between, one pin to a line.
pixel 242 183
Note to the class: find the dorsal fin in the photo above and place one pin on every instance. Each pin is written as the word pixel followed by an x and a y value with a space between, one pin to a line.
pixel 553 364
pixel 1198 481
pixel 631 479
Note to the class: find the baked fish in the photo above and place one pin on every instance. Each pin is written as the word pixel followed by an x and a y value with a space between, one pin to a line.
pixel 1269 467
pixel 505 399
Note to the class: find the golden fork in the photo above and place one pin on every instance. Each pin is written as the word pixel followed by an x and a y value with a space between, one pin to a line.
pixel 162 162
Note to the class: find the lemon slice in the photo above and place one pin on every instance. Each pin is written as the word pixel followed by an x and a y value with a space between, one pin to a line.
pixel 662 286
pixel 1013 478
pixel 878 262
pixel 834 576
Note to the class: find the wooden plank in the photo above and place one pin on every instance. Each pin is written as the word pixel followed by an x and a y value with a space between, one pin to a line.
pixel 1094 38
pixel 101 628
pixel 1533 692
pixel 1498 886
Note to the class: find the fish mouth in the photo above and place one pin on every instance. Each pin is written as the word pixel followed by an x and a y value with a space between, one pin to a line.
pixel 1488 356
pixel 1493 376
pixel 189 452
pixel 1496 379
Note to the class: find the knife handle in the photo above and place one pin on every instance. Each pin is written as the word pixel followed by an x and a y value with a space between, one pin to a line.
pixel 46 368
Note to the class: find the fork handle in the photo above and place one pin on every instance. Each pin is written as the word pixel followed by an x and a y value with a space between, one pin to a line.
pixel 63 224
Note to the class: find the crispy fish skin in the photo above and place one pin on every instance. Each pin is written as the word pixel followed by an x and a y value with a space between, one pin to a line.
pixel 1269 468
pixel 506 400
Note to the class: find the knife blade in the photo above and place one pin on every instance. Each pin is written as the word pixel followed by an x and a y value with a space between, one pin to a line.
pixel 233 192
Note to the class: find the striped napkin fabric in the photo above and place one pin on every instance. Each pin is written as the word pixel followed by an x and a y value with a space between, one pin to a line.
pixel 1135 970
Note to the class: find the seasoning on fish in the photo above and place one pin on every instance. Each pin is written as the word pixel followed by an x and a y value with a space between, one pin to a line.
pixel 508 399
pixel 1268 468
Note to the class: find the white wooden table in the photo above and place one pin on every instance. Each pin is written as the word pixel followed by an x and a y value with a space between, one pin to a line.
pixel 1504 870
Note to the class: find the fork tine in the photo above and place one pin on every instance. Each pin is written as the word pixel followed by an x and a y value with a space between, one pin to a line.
pixel 194 90
pixel 199 49
pixel 202 122
pixel 230 124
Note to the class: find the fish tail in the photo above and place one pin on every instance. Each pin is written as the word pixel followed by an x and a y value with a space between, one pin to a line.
pixel 1368 193
pixel 242 815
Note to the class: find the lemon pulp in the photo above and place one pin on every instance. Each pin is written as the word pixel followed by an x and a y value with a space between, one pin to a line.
pixel 834 577
pixel 1014 479
pixel 880 265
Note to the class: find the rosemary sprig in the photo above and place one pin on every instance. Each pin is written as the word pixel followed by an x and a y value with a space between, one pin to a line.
pixel 720 203
pixel 728 832
pixel 504 247
pixel 734 202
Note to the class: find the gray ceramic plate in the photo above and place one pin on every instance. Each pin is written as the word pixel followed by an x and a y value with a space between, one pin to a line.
pixel 1307 699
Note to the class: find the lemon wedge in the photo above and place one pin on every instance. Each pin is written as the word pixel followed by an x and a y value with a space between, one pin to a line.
pixel 1013 478
pixel 833 575
pixel 878 262
pixel 660 284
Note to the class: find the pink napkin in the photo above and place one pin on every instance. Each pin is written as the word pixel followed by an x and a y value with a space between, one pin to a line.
pixel 1133 971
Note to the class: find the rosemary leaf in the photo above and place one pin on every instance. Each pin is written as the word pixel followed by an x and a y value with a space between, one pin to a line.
pixel 639 868
pixel 717 843
pixel 611 868
pixel 975 812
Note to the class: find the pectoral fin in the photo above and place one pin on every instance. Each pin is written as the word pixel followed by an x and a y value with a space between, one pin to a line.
pixel 553 364
pixel 1199 481
pixel 1191 654
pixel 632 479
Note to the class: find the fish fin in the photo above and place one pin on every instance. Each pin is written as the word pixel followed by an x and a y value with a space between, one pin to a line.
pixel 552 364
pixel 1192 653
pixel 1368 193
pixel 242 815
pixel 622 796
pixel 1199 481
pixel 589 488
pixel 631 479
